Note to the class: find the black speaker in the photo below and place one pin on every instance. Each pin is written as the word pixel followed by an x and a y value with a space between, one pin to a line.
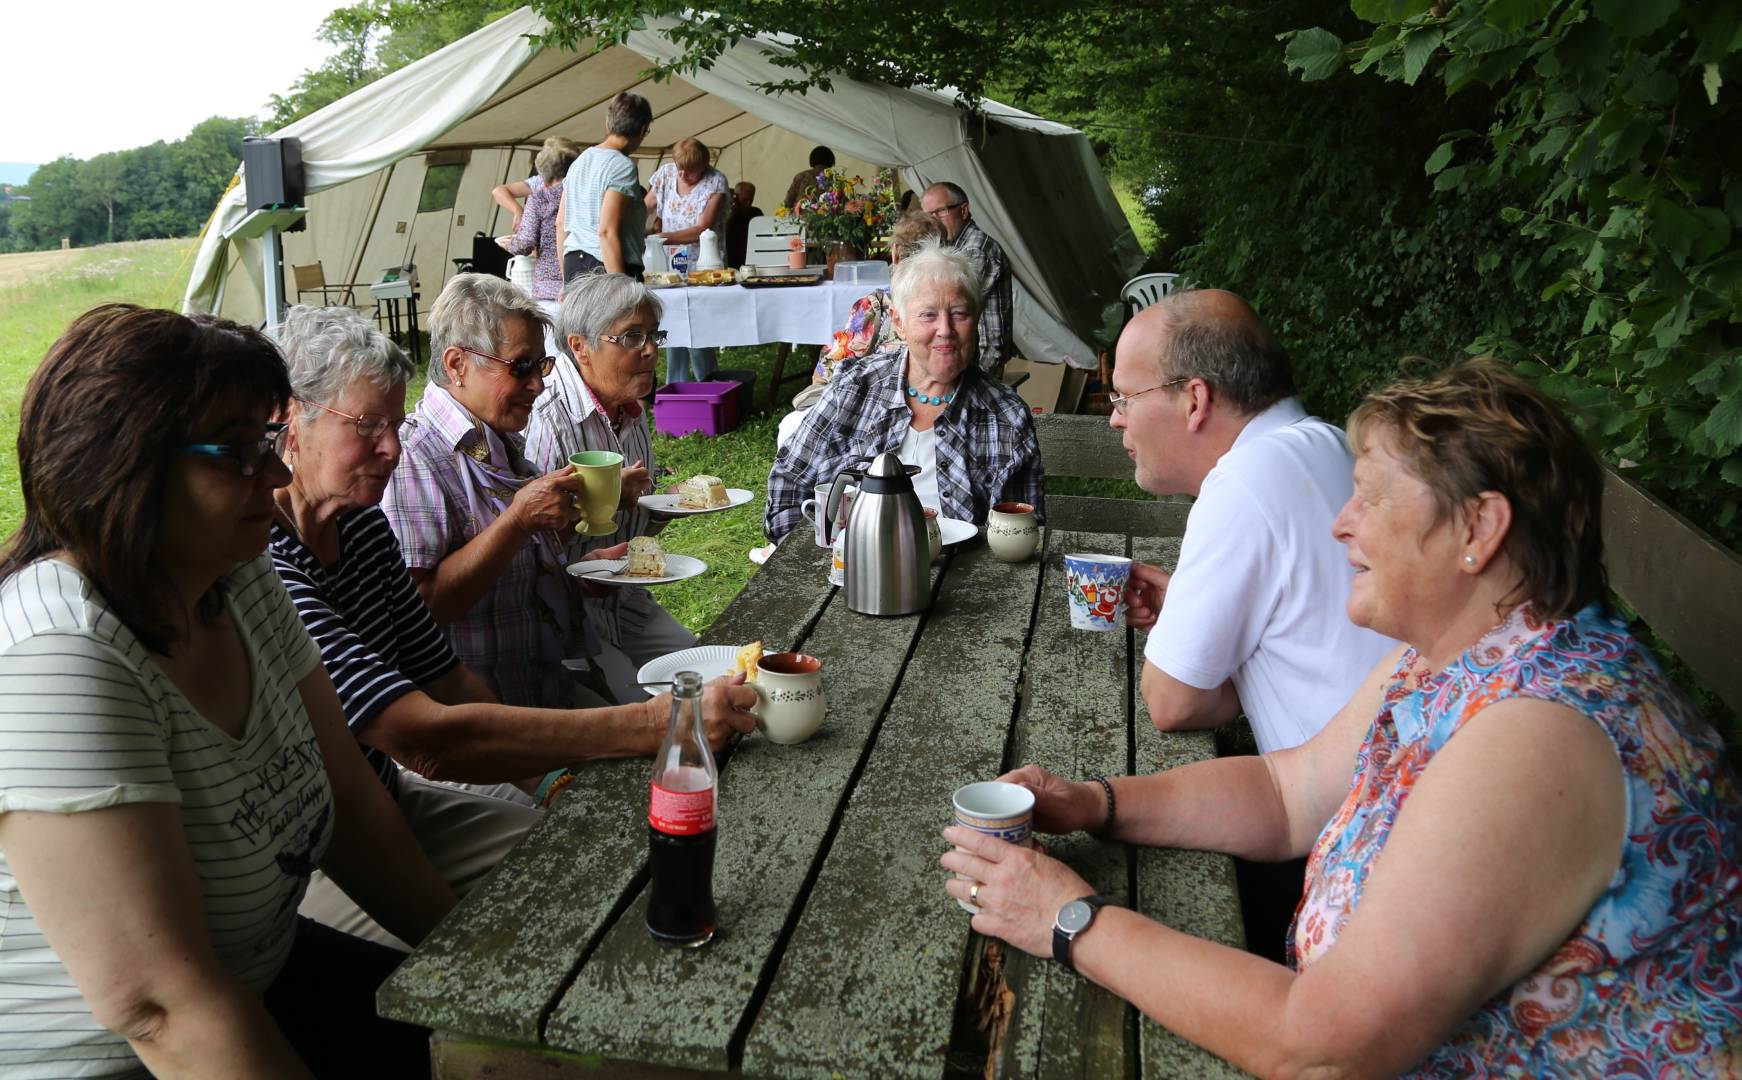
pixel 272 171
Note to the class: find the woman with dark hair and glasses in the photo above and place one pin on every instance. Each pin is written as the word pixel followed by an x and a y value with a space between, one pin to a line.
pixel 174 763
pixel 484 532
pixel 407 697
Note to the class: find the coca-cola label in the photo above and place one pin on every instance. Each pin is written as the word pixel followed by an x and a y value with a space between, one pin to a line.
pixel 681 813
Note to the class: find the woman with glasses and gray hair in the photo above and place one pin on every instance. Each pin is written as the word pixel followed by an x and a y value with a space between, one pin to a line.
pixel 608 331
pixel 925 400
pixel 409 700
pixel 601 218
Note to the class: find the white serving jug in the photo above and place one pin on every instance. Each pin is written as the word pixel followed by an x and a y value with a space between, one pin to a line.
pixel 653 255
pixel 710 255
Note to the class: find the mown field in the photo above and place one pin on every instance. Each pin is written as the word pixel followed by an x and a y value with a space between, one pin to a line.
pixel 40 293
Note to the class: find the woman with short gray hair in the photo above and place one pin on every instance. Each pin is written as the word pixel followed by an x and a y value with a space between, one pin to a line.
pixel 535 230
pixel 406 695
pixel 970 436
pixel 608 331
pixel 480 526
pixel 601 218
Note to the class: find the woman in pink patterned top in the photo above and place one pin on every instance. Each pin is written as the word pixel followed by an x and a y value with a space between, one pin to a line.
pixel 1525 846
pixel 536 229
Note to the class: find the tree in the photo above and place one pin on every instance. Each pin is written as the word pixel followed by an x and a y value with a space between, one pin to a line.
pixel 374 38
pixel 1612 143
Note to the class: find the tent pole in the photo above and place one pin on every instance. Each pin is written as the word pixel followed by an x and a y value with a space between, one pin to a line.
pixel 272 274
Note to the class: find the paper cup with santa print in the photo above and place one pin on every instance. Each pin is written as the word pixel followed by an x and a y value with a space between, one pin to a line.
pixel 1096 588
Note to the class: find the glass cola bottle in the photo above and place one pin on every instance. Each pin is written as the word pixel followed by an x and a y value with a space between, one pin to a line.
pixel 680 825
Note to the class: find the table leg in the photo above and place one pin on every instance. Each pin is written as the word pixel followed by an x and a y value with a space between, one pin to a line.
pixel 780 357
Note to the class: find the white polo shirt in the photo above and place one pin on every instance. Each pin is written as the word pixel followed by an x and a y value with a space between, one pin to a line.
pixel 1262 588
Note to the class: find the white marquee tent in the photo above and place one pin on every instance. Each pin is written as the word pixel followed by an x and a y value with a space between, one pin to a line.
pixel 381 166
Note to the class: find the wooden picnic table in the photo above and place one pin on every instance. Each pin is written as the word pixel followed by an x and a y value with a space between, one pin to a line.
pixel 839 953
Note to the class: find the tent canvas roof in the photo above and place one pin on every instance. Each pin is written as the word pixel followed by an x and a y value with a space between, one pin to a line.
pixel 489 99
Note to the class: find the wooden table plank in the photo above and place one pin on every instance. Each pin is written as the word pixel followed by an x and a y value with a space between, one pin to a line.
pixel 496 964
pixel 1190 891
pixel 634 1000
pixel 1074 722
pixel 869 982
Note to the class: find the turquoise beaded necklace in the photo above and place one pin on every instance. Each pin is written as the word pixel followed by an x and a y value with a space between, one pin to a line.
pixel 924 399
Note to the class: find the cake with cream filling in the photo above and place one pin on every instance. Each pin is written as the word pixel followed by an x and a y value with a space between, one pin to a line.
pixel 646 558
pixel 748 661
pixel 702 492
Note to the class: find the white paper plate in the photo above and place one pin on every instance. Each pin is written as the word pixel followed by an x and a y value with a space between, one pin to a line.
pixel 955 530
pixel 677 568
pixel 712 661
pixel 667 504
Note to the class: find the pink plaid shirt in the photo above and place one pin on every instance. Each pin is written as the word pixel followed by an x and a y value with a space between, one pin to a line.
pixel 505 636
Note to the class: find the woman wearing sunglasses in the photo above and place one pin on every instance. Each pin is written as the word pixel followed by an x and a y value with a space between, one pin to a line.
pixel 174 762
pixel 407 697
pixel 484 532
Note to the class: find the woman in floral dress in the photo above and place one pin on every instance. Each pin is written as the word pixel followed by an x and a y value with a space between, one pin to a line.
pixel 1524 845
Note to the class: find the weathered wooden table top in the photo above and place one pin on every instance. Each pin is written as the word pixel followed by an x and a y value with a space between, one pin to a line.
pixel 839 953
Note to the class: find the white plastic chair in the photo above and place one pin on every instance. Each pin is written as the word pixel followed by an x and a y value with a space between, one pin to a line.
pixel 767 241
pixel 1145 289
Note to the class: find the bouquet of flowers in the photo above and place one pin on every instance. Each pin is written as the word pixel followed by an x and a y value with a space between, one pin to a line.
pixel 843 208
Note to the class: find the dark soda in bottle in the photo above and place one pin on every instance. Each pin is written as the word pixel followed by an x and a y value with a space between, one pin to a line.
pixel 680 825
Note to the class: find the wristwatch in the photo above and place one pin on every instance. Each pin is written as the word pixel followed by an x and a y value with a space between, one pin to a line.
pixel 1071 920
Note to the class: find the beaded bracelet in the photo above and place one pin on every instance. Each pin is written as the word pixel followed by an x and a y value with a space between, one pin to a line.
pixel 1107 786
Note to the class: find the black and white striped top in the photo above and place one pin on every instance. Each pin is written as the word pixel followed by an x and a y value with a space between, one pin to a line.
pixel 88 721
pixel 376 635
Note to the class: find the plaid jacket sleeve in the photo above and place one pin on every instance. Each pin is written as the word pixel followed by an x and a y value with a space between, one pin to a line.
pixel 848 425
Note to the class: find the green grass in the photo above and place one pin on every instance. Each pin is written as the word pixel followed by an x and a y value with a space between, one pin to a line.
pixel 1132 203
pixel 34 312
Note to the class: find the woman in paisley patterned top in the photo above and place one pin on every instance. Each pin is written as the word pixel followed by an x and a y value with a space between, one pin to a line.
pixel 1561 836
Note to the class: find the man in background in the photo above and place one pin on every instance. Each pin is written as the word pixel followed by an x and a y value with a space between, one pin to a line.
pixel 948 205
pixel 806 179
pixel 744 208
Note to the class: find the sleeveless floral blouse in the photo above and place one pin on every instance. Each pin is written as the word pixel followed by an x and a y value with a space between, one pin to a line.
pixel 1650 984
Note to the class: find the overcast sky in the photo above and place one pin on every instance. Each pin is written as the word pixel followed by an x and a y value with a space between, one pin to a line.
pixel 82 78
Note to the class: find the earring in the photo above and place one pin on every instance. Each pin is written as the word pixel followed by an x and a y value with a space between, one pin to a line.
pixel 1469 560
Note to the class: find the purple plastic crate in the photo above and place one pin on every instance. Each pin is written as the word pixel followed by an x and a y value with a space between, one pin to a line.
pixel 708 407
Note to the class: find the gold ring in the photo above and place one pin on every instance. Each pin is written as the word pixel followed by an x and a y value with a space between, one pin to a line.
pixel 974 894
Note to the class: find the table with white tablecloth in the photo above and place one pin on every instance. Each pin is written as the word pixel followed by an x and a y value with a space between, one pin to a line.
pixel 706 316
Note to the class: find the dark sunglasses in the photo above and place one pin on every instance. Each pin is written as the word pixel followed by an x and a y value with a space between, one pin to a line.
pixel 523 368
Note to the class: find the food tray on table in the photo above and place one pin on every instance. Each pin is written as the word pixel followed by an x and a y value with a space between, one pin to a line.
pixel 769 277
pixel 713 277
pixel 662 279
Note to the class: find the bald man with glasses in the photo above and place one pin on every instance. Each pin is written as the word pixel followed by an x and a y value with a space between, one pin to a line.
pixel 948 205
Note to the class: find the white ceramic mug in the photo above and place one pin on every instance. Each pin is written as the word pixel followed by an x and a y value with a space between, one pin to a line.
pixel 1012 532
pixel 789 687
pixel 994 808
pixel 812 509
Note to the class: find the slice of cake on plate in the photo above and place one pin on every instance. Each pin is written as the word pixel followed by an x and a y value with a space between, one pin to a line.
pixel 702 492
pixel 646 558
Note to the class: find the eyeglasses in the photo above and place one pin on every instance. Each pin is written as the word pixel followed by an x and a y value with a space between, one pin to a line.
pixel 942 210
pixel 1121 402
pixel 369 426
pixel 522 368
pixel 244 457
pixel 636 339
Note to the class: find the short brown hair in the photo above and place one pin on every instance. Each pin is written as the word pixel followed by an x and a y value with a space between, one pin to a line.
pixel 911 231
pixel 102 418
pixel 1477 427
pixel 690 155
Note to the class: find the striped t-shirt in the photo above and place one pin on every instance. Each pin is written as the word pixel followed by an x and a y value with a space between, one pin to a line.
pixel 375 633
pixel 88 720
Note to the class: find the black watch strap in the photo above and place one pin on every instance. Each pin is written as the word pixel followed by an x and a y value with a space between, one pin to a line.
pixel 1062 939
